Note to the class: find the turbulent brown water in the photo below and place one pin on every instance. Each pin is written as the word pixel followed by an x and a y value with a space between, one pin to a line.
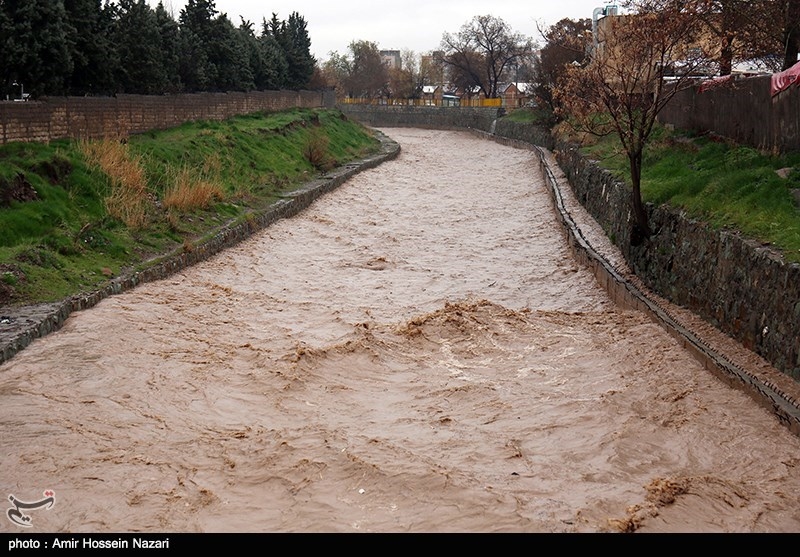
pixel 416 352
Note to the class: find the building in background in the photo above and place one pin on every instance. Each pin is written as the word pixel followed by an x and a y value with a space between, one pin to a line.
pixel 392 59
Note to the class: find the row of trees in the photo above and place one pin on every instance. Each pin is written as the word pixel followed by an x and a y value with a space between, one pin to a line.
pixel 662 48
pixel 486 52
pixel 362 72
pixel 99 47
pixel 483 54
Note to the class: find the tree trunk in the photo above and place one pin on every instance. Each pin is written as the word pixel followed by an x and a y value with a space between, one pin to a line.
pixel 726 56
pixel 640 229
pixel 791 33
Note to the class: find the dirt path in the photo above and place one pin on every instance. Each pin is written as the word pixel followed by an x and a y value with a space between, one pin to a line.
pixel 416 352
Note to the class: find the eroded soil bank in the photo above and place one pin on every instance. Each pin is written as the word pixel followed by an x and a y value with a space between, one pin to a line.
pixel 416 352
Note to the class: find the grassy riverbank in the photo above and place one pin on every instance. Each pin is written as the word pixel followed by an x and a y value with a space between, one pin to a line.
pixel 716 181
pixel 74 214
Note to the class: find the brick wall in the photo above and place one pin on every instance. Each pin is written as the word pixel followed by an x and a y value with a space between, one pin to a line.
pixel 91 117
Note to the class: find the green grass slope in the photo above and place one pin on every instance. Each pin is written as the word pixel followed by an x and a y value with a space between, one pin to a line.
pixel 75 214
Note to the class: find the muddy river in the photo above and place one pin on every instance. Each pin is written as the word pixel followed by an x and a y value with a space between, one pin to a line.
pixel 416 352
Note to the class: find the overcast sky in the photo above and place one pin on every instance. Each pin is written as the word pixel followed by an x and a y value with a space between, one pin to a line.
pixel 396 25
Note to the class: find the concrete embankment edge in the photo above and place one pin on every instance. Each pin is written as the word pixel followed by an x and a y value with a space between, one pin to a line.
pixel 623 292
pixel 21 326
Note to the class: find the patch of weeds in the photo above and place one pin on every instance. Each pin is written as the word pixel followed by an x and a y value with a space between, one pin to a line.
pixel 39 257
pixel 17 189
pixel 188 192
pixel 91 237
pixel 129 199
pixel 315 150
pixel 741 156
pixel 9 278
pixel 57 169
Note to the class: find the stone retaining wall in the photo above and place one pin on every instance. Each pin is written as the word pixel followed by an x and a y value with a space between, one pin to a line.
pixel 431 117
pixel 782 404
pixel 741 287
pixel 533 134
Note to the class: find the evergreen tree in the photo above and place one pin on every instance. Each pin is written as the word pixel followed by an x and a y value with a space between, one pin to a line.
pixel 5 48
pixel 292 38
pixel 138 41
pixel 196 71
pixel 276 68
pixel 93 54
pixel 169 33
pixel 36 53
pixel 297 47
pixel 100 47
pixel 227 56
pixel 274 28
pixel 257 59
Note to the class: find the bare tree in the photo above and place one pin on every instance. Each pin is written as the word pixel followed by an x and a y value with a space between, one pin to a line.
pixel 369 75
pixel 431 68
pixel 360 73
pixel 624 86
pixel 482 52
pixel 744 29
pixel 566 43
pixel 407 80
pixel 768 30
pixel 335 71
pixel 791 33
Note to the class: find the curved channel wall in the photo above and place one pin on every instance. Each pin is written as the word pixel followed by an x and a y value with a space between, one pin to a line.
pixel 435 117
pixel 488 119
pixel 741 287
pixel 744 289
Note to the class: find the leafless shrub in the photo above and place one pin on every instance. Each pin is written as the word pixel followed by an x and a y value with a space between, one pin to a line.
pixel 315 150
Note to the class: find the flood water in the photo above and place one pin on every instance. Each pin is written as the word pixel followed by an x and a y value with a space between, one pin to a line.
pixel 415 352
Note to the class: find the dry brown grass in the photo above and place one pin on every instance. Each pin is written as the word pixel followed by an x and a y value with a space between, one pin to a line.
pixel 129 199
pixel 187 192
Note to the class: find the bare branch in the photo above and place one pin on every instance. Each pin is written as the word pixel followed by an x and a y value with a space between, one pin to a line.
pixel 639 63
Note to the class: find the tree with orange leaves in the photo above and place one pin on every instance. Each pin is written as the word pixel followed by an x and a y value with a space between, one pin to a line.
pixel 639 62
